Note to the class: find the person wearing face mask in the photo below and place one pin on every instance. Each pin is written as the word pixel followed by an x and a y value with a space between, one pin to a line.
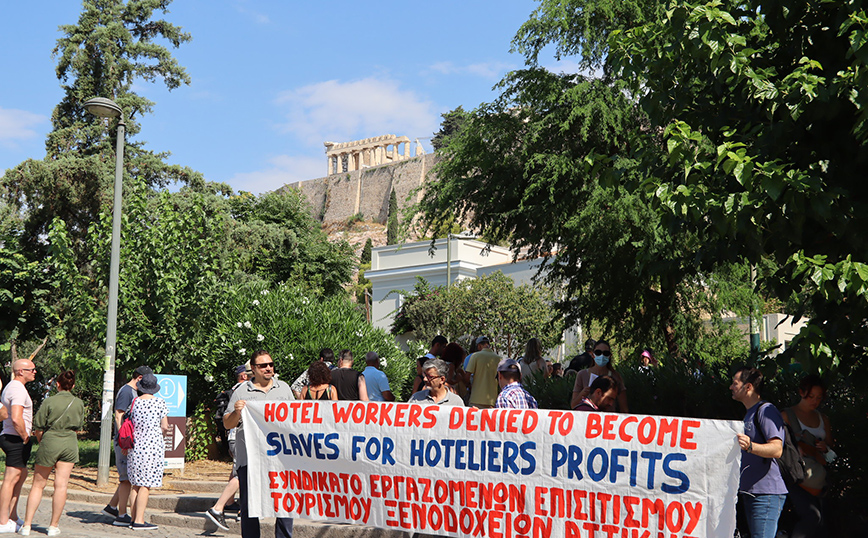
pixel 602 367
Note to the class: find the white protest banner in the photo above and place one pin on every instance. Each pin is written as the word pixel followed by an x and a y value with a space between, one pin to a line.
pixel 495 473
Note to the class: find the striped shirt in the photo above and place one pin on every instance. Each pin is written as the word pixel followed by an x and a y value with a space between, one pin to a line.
pixel 515 397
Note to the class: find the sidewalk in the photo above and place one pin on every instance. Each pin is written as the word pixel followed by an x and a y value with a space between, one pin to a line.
pixel 178 508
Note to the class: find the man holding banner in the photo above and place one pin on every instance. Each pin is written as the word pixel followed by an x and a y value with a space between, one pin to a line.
pixel 263 386
pixel 762 487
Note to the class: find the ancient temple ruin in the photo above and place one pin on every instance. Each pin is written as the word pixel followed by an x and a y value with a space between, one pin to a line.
pixel 358 154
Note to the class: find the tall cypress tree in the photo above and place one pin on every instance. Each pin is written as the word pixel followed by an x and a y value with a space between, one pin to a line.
pixel 392 220
pixel 113 45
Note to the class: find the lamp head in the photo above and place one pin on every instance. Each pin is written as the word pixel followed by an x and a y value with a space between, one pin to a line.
pixel 102 107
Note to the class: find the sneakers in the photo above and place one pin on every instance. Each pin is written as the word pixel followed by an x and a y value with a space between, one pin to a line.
pixel 18 524
pixel 53 531
pixel 218 518
pixel 234 507
pixel 122 521
pixel 110 511
pixel 24 530
pixel 10 527
pixel 143 527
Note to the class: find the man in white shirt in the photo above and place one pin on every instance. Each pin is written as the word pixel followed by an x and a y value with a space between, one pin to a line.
pixel 15 441
pixel 376 381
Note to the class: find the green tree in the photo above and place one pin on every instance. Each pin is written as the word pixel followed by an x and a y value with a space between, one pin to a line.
pixel 453 122
pixel 114 45
pixel 491 305
pixel 279 241
pixel 363 284
pixel 392 220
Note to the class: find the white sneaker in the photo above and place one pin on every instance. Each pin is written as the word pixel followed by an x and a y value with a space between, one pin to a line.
pixel 53 531
pixel 24 530
pixel 18 524
pixel 10 527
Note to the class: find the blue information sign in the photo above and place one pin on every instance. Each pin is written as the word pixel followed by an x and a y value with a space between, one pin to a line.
pixel 173 389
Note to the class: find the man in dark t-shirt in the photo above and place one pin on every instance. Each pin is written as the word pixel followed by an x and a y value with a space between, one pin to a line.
pixel 586 359
pixel 349 383
pixel 117 506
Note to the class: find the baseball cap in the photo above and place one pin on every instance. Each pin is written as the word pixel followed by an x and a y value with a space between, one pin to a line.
pixel 508 365
pixel 143 371
pixel 482 340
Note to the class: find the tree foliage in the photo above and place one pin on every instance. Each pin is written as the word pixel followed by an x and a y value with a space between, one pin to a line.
pixel 490 305
pixel 114 44
pixel 713 134
pixel 392 220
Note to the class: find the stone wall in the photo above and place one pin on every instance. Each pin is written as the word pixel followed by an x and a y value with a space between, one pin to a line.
pixel 338 197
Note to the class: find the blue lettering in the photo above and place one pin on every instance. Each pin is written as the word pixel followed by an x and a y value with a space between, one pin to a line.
pixel 510 451
pixel 388 447
pixel 652 458
pixel 676 474
pixel 357 440
pixel 330 443
pixel 417 452
pixel 493 455
pixel 616 466
pixel 527 455
pixel 460 445
pixel 272 439
pixel 596 476
pixel 432 454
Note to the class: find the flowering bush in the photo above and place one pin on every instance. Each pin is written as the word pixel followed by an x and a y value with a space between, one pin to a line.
pixel 293 325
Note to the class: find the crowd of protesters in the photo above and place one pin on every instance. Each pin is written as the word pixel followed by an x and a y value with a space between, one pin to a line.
pixel 446 375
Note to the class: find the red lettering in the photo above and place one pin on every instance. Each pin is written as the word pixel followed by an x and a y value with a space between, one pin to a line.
pixel 456 417
pixel 653 507
pixel 511 419
pixel 415 412
pixel 572 530
pixel 629 503
pixel 553 417
pixel 622 433
pixel 431 416
pixel 373 481
pixel 341 412
pixel 494 517
pixel 670 427
pixel 276 496
pixel 272 479
pixel 316 418
pixel 694 511
pixel 539 500
pixel 646 437
pixel 593 427
pixel 269 412
pixel 371 415
pixel 469 421
pixel 390 513
pixel 608 427
pixel 529 422
pixel 399 414
pixel 687 435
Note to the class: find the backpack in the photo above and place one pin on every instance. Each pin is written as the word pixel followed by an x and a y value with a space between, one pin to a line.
pixel 790 463
pixel 126 433
pixel 221 402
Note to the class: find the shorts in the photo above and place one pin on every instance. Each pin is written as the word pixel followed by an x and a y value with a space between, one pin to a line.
pixel 56 448
pixel 17 453
pixel 234 472
pixel 121 463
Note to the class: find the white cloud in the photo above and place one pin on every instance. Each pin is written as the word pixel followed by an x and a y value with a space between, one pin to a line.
pixel 18 125
pixel 258 17
pixel 281 170
pixel 488 70
pixel 343 111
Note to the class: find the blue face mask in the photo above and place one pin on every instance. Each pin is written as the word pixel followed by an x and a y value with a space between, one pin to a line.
pixel 601 360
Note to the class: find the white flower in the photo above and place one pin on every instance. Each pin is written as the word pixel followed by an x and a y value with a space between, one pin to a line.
pixel 255 302
pixel 291 357
pixel 248 324
pixel 359 334
pixel 305 300
pixel 240 324
pixel 259 338
pixel 383 362
pixel 209 378
pixel 242 351
pixel 264 292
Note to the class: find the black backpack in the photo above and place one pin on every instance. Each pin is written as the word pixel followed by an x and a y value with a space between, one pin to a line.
pixel 791 464
pixel 220 404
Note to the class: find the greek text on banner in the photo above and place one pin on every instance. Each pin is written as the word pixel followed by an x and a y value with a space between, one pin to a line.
pixel 492 473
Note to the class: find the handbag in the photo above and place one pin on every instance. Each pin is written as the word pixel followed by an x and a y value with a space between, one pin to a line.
pixel 127 433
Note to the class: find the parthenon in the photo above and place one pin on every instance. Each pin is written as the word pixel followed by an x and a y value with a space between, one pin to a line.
pixel 358 154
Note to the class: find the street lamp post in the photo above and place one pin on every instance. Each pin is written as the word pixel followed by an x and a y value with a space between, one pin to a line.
pixel 106 108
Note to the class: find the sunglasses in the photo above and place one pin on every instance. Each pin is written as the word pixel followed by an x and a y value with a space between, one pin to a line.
pixel 265 365
pixel 603 352
pixel 27 369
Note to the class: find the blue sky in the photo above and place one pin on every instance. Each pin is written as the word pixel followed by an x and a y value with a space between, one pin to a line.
pixel 272 80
